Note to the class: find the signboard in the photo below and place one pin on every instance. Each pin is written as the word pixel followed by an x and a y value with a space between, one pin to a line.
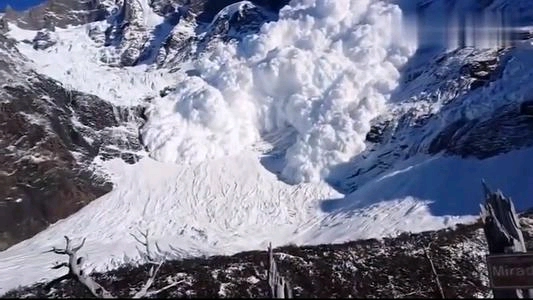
pixel 511 271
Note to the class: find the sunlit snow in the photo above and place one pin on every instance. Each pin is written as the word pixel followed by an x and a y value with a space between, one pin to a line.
pixel 320 74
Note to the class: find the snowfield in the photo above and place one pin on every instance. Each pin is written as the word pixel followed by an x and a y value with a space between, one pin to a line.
pixel 217 207
pixel 307 86
pixel 81 68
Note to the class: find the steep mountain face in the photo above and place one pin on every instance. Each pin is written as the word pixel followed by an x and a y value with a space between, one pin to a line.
pixel 61 13
pixel 51 134
pixel 437 118
pixel 139 32
pixel 161 70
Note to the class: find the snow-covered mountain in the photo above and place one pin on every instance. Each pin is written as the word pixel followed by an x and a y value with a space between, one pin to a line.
pixel 223 125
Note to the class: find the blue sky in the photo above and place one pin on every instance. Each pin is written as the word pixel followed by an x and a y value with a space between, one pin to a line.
pixel 19 4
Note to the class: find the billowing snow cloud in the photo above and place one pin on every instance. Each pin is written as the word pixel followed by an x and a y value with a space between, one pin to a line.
pixel 325 68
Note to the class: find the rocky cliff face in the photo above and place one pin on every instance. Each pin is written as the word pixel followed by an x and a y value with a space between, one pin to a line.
pixel 49 137
pixel 129 30
pixel 436 118
pixel 61 13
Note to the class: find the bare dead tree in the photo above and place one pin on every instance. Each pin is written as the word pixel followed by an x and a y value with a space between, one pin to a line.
pixel 157 254
pixel 75 264
pixel 501 224
pixel 279 286
pixel 434 271
pixel 147 254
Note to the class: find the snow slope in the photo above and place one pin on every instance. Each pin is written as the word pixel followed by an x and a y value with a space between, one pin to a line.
pixel 218 207
pixel 452 184
pixel 323 71
pixel 76 62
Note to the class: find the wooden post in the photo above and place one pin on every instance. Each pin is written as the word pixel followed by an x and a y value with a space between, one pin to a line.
pixel 503 233
pixel 279 287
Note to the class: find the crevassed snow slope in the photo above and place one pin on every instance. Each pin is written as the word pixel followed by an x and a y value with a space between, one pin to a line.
pixel 217 207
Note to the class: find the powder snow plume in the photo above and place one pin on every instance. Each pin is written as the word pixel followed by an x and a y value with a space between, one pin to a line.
pixel 325 69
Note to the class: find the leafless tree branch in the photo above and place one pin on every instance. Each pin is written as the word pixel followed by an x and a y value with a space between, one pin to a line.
pixel 75 264
pixel 144 290
pixel 155 261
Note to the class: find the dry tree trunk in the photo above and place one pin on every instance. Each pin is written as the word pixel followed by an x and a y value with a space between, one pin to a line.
pixel 75 264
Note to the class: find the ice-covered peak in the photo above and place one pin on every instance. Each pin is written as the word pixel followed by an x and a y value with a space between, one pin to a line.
pixel 60 13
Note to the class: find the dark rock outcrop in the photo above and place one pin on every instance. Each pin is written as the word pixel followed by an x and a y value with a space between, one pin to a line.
pixel 505 131
pixel 43 40
pixel 49 136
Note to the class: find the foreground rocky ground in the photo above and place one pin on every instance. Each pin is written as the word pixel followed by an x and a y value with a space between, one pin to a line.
pixel 393 267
